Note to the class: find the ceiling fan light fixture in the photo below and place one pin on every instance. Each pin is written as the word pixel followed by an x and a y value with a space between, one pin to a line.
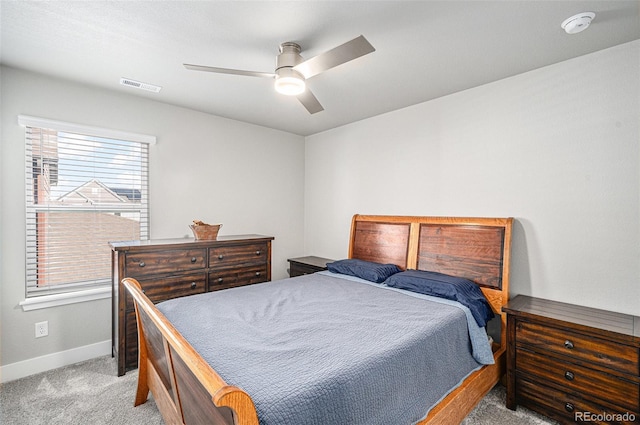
pixel 289 82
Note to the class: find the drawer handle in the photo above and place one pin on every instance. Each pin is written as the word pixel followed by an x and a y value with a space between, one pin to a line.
pixel 569 376
pixel 193 285
pixel 194 259
pixel 568 345
pixel 258 252
pixel 220 257
pixel 569 407
pixel 257 273
pixel 141 264
pixel 219 280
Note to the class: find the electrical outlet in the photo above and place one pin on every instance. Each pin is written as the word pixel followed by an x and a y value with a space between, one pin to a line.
pixel 42 329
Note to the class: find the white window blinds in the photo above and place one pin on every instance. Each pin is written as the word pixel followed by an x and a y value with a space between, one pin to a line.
pixel 84 189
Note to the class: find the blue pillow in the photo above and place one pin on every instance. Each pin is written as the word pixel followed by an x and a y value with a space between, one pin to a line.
pixel 442 285
pixel 374 272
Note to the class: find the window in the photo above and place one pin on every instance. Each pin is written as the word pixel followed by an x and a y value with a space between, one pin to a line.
pixel 85 187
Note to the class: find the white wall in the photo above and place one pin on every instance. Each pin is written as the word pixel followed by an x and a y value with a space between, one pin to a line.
pixel 247 177
pixel 556 148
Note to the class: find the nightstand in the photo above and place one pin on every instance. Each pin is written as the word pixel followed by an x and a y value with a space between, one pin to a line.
pixel 307 265
pixel 573 363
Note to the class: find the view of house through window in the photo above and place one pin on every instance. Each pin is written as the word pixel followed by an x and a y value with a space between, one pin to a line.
pixel 83 192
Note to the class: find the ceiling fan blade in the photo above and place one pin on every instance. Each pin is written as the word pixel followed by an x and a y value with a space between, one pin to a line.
pixel 310 102
pixel 346 52
pixel 228 71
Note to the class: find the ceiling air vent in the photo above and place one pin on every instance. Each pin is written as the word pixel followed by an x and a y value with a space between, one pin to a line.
pixel 138 85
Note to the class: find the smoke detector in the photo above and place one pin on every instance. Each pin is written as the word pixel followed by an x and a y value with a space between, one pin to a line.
pixel 578 23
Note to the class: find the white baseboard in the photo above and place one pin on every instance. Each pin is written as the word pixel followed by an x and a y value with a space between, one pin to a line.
pixel 29 367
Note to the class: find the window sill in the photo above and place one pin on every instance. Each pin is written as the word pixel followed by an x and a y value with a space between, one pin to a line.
pixel 47 301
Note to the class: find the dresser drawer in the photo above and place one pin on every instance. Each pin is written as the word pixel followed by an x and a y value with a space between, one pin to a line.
pixel 238 255
pixel 578 379
pixel 567 407
pixel 158 262
pixel 221 279
pixel 608 354
pixel 164 288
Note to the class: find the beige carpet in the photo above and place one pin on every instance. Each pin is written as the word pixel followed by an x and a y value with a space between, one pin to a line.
pixel 90 393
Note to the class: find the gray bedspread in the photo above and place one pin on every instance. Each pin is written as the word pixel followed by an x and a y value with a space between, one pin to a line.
pixel 322 350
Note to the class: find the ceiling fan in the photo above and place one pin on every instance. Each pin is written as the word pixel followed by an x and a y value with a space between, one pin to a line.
pixel 292 70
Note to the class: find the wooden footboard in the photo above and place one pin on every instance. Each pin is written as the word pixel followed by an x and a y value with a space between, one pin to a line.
pixel 186 389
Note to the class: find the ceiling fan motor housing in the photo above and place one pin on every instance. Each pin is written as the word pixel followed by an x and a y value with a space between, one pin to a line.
pixel 289 55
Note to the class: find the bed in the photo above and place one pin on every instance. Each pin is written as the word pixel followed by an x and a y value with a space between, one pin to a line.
pixel 188 390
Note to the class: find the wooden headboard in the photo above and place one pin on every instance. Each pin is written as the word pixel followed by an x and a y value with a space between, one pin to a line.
pixel 477 249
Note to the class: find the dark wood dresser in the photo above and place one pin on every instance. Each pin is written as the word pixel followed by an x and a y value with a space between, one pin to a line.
pixel 306 265
pixel 572 363
pixel 172 268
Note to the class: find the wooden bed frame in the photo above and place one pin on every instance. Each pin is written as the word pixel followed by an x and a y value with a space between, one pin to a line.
pixel 189 391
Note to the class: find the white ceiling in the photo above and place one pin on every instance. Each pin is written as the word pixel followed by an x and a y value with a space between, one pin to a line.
pixel 424 49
